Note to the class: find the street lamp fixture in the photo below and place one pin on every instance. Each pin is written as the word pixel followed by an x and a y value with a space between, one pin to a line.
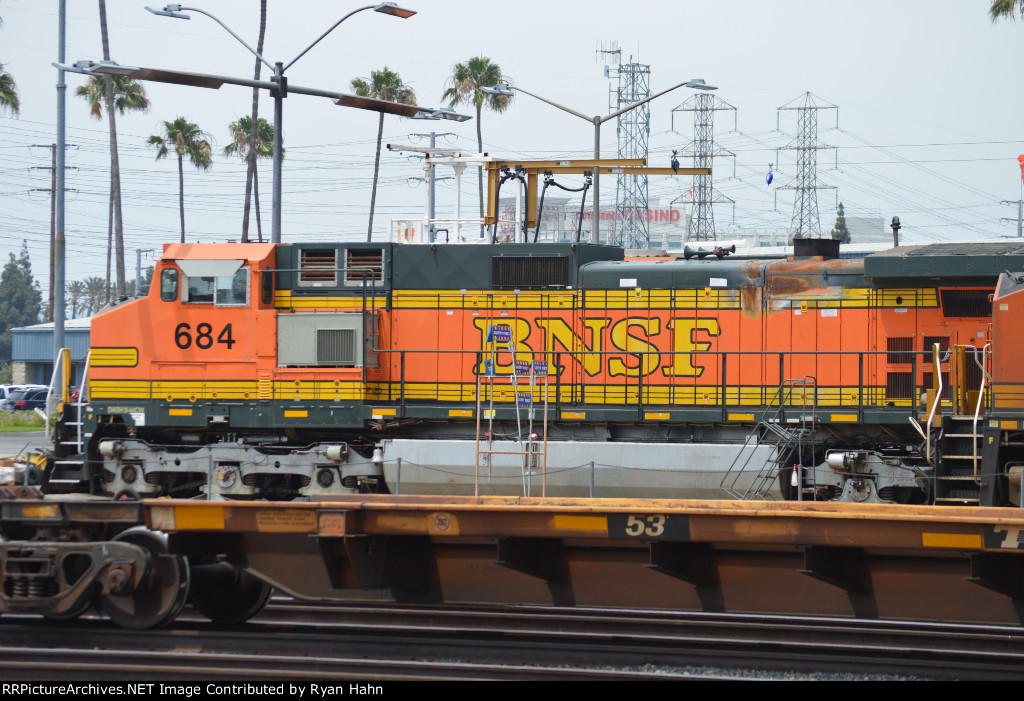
pixel 278 84
pixel 499 89
pixel 442 113
pixel 104 67
pixel 597 121
pixel 390 8
pixel 203 80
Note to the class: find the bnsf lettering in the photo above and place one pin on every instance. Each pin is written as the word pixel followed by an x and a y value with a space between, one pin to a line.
pixel 638 336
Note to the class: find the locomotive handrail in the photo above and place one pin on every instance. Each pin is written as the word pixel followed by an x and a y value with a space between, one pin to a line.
pixel 867 391
pixel 83 399
pixel 935 405
pixel 977 407
pixel 58 371
pixel 866 395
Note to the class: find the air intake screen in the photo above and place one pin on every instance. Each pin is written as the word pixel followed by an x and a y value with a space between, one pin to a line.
pixel 365 264
pixel 317 267
pixel 929 343
pixel 899 385
pixel 966 303
pixel 530 272
pixel 894 345
pixel 335 346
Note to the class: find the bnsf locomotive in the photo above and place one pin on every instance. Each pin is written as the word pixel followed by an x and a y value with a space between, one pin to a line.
pixel 283 371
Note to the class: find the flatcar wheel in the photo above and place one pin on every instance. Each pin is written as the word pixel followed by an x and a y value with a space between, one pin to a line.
pixel 226 594
pixel 161 594
pixel 70 614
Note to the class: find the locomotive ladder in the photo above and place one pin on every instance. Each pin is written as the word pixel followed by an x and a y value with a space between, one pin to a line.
pixel 68 467
pixel 534 451
pixel 788 438
pixel 958 447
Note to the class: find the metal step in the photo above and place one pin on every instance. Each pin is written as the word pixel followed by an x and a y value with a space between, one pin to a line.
pixel 959 495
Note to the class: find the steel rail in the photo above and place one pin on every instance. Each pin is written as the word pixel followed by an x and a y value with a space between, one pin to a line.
pixel 517 643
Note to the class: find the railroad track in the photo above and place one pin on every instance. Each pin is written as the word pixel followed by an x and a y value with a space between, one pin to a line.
pixel 292 640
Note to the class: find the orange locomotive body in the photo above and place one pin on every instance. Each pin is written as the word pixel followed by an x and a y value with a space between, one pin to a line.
pixel 283 371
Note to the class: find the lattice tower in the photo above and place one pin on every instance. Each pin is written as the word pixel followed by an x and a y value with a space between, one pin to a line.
pixel 703 151
pixel 805 223
pixel 630 228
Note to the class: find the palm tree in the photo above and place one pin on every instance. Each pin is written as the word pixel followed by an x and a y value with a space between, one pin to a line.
pixel 75 290
pixel 8 93
pixel 261 145
pixel 1005 8
pixel 115 168
pixel 253 153
pixel 96 291
pixel 384 84
pixel 464 86
pixel 128 96
pixel 187 139
pixel 8 90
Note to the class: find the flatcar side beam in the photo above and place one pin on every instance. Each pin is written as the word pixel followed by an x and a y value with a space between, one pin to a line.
pixel 537 557
pixel 1001 573
pixel 840 567
pixel 691 562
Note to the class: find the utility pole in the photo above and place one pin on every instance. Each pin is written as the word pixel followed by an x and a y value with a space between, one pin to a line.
pixel 58 240
pixel 53 218
pixel 138 269
pixel 431 213
pixel 1020 212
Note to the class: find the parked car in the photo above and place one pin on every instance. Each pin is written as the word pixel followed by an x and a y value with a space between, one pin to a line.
pixel 26 400
pixel 7 390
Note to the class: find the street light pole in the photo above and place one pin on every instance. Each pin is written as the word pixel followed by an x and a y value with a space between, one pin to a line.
pixel 597 120
pixel 279 94
pixel 57 292
pixel 280 91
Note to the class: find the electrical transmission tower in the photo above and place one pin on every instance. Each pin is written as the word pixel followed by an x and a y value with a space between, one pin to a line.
pixel 703 151
pixel 631 228
pixel 805 222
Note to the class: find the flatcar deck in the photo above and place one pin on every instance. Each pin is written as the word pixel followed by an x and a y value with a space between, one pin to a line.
pixel 867 560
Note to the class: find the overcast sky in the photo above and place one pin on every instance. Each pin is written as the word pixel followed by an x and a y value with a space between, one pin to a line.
pixel 928 95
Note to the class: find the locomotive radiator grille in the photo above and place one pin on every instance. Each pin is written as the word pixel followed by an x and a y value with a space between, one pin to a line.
pixel 530 272
pixel 958 303
pixel 336 346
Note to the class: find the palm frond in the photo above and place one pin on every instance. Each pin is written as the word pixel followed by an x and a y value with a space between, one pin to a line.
pixel 1005 8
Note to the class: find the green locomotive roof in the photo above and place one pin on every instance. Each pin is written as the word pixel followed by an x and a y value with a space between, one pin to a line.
pixel 947 260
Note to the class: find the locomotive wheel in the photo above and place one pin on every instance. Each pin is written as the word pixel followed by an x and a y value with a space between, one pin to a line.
pixel 225 594
pixel 160 595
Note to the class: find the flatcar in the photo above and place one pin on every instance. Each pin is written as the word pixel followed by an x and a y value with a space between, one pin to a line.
pixel 283 371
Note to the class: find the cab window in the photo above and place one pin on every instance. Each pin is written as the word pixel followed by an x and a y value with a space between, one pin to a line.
pixel 226 291
pixel 168 284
